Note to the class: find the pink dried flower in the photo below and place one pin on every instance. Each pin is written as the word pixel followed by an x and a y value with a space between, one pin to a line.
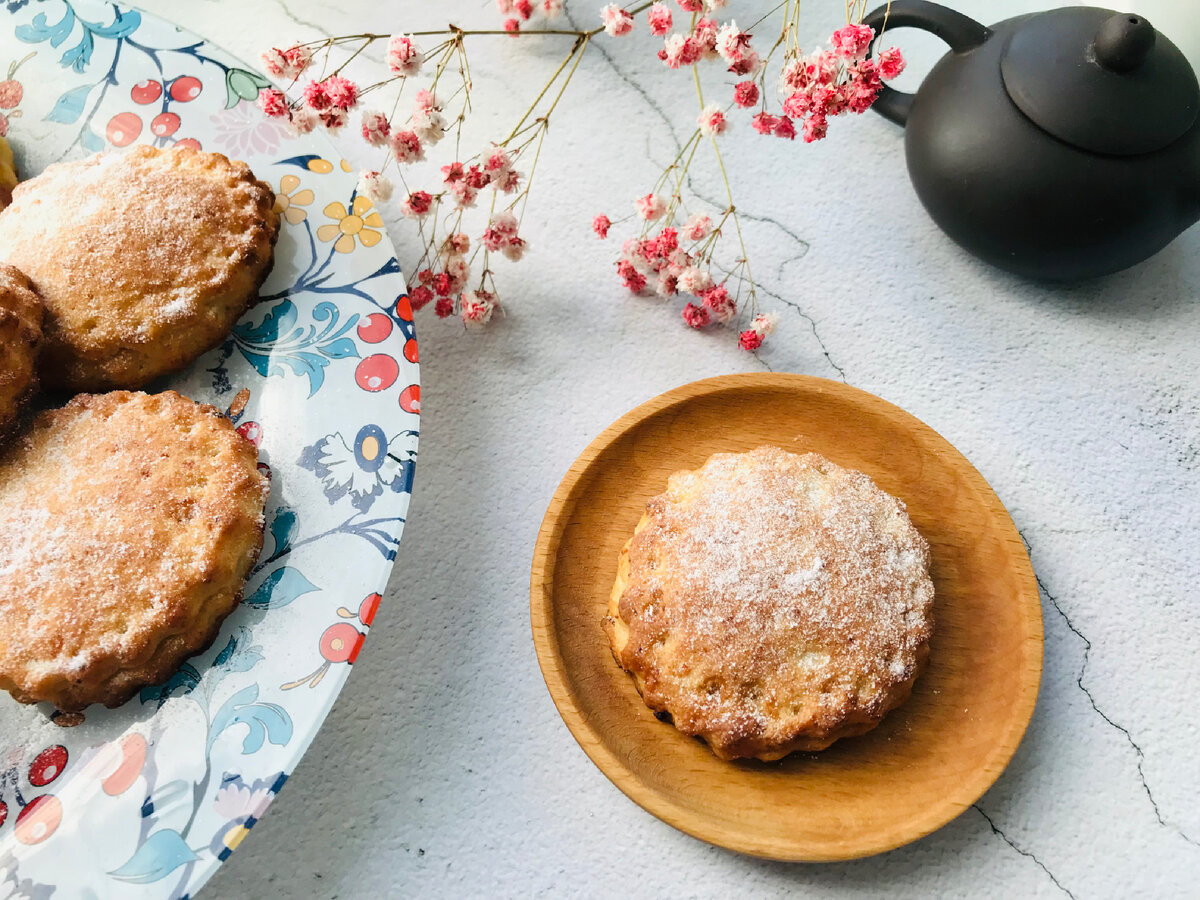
pixel 745 94
pixel 515 249
pixel 303 120
pixel 459 271
pixel 476 178
pixel 334 119
pixel 404 57
pixel 691 5
pixel 496 160
pixel 634 280
pixel 668 285
pixel 600 225
pixel 732 43
pixel 524 8
pixel 289 63
pixel 712 121
pixel 890 63
pixel 720 304
pixel 616 20
pixel 444 307
pixel 798 104
pixel 697 227
pixel 375 128
pixel 750 340
pixel 507 181
pixel 651 207
pixel 477 307
pixel 852 41
pixel 342 92
pixel 453 173
pixel 765 323
pixel 316 96
pixel 694 280
pixel 747 65
pixel 512 26
pixel 417 205
pixel 696 316
pixel 505 7
pixel 659 17
pixel 815 128
pixel 458 244
pixel 464 195
pixel 705 37
pixel 501 229
pixel 273 103
pixel 784 128
pixel 406 146
pixel 419 297
pixel 443 284
pixel 552 9
pixel 679 50
pixel 427 119
pixel 764 123
pixel 376 187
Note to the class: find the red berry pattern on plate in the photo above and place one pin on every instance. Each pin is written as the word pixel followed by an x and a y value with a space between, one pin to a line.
pixel 377 373
pixel 48 765
pixel 146 91
pixel 165 124
pixel 375 328
pixel 186 88
pixel 39 819
pixel 123 129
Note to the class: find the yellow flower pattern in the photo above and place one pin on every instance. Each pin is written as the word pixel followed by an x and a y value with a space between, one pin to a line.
pixel 348 224
pixel 288 204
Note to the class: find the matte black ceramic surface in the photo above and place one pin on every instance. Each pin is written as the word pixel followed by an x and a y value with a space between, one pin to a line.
pixel 1061 145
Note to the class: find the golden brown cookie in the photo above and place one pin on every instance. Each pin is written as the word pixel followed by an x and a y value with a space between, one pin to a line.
pixel 20 337
pixel 8 173
pixel 770 602
pixel 144 260
pixel 128 524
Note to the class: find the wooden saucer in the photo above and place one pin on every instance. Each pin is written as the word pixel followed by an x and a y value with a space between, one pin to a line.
pixel 929 760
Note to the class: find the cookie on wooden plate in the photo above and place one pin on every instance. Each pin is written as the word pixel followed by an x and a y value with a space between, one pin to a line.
pixel 770 602
pixel 128 524
pixel 144 260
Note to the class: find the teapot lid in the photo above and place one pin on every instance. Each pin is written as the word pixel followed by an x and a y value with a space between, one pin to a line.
pixel 1105 82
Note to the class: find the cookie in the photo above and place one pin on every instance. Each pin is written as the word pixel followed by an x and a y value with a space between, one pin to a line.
pixel 20 337
pixel 770 602
pixel 143 259
pixel 128 524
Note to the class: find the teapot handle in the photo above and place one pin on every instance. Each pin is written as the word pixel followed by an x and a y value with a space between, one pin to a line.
pixel 961 32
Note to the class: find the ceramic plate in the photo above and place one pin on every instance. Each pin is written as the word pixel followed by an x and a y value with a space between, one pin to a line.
pixel 147 800
pixel 929 759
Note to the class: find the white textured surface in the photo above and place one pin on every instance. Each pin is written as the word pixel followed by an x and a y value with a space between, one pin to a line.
pixel 444 769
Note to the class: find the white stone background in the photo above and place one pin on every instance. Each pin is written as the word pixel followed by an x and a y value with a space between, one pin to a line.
pixel 444 769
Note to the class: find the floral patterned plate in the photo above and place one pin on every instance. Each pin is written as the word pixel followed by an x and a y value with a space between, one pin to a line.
pixel 147 800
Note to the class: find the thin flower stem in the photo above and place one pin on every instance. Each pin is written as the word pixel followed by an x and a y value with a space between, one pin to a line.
pixel 582 42
pixel 737 224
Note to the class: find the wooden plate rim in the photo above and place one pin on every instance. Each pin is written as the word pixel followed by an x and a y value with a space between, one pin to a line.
pixel 550 658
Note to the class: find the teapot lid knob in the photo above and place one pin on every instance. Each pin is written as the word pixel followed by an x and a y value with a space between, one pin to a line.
pixel 1101 81
pixel 1123 42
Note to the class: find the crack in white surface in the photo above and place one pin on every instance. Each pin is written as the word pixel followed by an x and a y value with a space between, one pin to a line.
pixel 1137 749
pixel 1027 853
pixel 303 23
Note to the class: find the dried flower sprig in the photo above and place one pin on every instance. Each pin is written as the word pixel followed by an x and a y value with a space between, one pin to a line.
pixel 675 251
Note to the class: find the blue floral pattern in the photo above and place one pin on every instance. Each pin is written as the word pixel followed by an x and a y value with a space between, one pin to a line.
pixel 322 376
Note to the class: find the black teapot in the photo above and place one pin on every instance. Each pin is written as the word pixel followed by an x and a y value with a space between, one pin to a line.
pixel 1059 145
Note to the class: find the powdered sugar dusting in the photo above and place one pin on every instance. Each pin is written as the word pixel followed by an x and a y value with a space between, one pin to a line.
pixel 117 514
pixel 767 588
